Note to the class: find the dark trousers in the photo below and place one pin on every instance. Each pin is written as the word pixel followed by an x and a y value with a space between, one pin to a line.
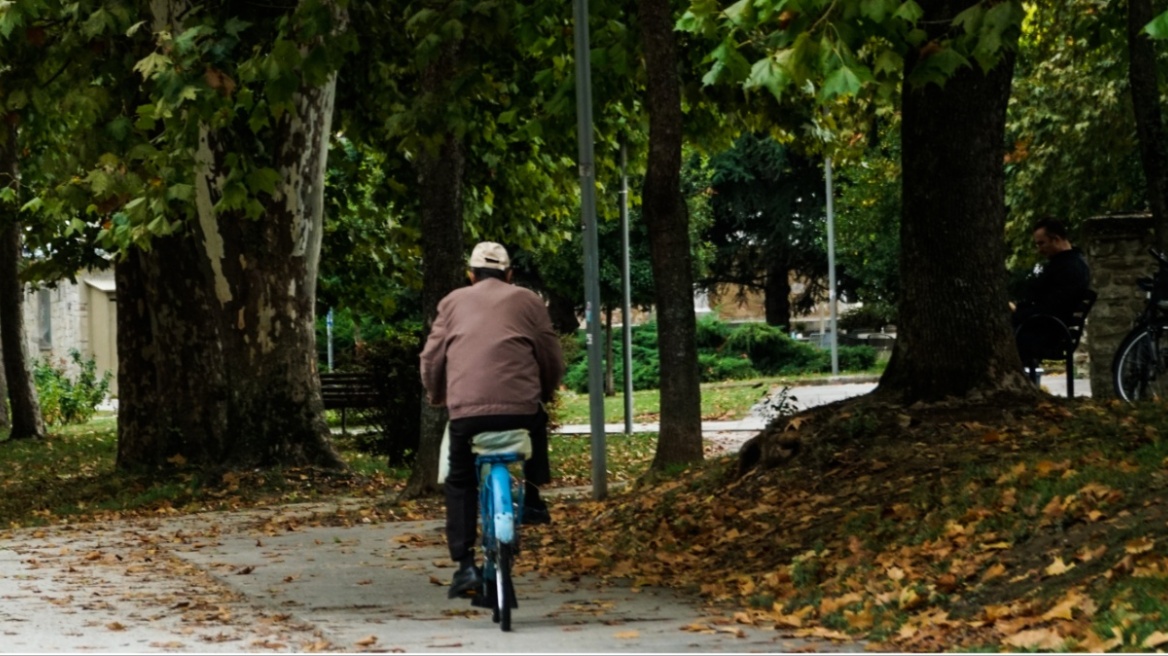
pixel 462 485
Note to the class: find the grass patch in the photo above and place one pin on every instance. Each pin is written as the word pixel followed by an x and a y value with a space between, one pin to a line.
pixel 70 476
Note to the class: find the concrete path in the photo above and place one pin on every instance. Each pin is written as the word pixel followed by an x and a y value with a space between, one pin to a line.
pixel 809 396
pixel 304 578
pixel 285 580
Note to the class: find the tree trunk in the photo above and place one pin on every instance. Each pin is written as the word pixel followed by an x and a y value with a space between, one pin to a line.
pixel 1145 92
pixel 778 296
pixel 562 310
pixel 174 393
pixel 665 213
pixel 954 335
pixel 235 306
pixel 5 421
pixel 22 394
pixel 443 258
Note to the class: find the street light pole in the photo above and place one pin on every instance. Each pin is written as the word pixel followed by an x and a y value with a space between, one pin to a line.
pixel 831 296
pixel 626 284
pixel 587 166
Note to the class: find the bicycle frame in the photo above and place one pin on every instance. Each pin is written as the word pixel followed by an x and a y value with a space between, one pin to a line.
pixel 495 501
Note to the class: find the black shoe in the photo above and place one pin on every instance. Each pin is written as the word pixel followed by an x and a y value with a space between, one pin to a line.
pixel 536 514
pixel 467 581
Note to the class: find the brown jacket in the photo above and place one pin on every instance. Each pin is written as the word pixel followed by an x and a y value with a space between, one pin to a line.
pixel 491 351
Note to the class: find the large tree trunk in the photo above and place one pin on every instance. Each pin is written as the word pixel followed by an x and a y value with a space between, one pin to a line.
pixel 5 420
pixel 26 411
pixel 253 353
pixel 663 207
pixel 173 387
pixel 1145 91
pixel 777 296
pixel 443 259
pixel 954 335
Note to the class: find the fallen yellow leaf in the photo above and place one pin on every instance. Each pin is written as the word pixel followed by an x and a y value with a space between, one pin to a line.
pixel 1139 546
pixel 366 641
pixel 993 572
pixel 1155 640
pixel 627 635
pixel 1064 609
pixel 1058 567
pixel 1036 639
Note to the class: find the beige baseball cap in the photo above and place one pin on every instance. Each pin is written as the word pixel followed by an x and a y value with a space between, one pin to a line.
pixel 489 255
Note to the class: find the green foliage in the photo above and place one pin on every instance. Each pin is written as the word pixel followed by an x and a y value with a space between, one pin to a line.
pixel 831 49
pixel 1071 138
pixel 767 211
pixel 867 223
pixel 711 332
pixel 64 400
pixel 716 368
pixel 747 351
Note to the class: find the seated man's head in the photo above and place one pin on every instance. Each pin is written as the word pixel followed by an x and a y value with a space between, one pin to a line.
pixel 1050 237
pixel 489 260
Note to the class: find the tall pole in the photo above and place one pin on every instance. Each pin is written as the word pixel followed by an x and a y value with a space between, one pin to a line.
pixel 591 248
pixel 328 322
pixel 831 296
pixel 626 288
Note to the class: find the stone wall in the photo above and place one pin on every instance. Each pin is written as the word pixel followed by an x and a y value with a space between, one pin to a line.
pixel 1117 250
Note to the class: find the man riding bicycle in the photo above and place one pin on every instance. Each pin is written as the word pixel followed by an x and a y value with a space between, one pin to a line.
pixel 491 358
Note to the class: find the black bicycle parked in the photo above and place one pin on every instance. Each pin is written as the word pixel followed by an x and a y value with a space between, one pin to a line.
pixel 1140 368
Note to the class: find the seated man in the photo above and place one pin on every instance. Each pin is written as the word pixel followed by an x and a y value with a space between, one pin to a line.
pixel 1056 292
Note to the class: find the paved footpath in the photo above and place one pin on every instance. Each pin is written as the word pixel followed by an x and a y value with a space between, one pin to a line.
pixel 294 579
pixel 282 579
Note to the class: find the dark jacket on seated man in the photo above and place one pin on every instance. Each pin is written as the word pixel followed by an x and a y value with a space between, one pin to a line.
pixel 1057 291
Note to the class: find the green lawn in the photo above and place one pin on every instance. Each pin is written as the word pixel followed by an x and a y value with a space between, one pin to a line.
pixel 722 401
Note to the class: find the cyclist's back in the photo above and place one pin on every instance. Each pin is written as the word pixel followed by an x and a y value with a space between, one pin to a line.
pixel 495 353
pixel 491 357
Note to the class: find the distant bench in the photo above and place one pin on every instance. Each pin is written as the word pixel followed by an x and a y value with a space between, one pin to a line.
pixel 345 390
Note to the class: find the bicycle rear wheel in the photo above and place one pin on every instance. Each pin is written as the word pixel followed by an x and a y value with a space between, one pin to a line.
pixel 504 592
pixel 1138 370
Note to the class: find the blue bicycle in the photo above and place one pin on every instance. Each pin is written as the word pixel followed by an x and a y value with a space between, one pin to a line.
pixel 501 508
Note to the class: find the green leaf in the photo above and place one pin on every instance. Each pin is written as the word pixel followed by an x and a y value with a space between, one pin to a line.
pixel 767 73
pixel 263 180
pixel 971 18
pixel 842 82
pixel 890 62
pixel 152 64
pixel 235 25
pixel 909 11
pixel 729 64
pixel 877 10
pixel 1158 28
pixel 739 12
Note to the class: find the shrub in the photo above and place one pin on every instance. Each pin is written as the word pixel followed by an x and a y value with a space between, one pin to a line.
pixel 715 368
pixel 65 401
pixel 856 358
pixel 711 333
pixel 771 350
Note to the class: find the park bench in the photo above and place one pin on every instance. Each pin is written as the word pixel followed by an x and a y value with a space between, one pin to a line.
pixel 349 390
pixel 1066 338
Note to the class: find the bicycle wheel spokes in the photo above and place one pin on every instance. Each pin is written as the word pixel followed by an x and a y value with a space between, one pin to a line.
pixel 1140 372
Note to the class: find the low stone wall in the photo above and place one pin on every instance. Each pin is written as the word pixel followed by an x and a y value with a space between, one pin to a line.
pixel 1117 249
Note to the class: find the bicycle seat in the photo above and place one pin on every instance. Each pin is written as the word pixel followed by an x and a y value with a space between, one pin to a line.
pixel 515 442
